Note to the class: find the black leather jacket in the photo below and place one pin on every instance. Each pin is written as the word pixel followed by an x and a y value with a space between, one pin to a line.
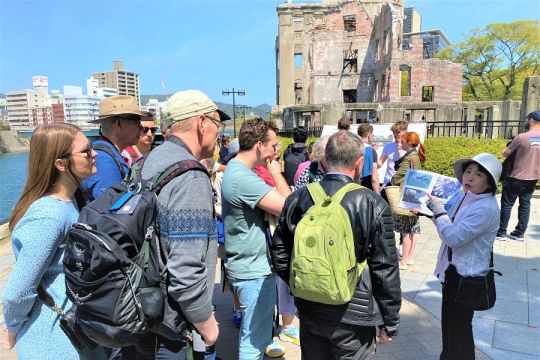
pixel 377 299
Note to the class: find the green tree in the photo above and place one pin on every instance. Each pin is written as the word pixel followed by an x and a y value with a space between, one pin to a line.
pixel 497 58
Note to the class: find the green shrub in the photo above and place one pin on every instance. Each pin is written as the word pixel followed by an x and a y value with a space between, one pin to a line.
pixel 442 152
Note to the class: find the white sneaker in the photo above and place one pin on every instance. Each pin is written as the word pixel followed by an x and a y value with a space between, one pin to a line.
pixel 501 237
pixel 274 350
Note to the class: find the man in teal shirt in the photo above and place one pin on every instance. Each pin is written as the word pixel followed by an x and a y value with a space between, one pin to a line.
pixel 245 199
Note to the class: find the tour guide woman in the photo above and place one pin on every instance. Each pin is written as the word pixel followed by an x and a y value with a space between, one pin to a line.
pixel 469 230
pixel 60 158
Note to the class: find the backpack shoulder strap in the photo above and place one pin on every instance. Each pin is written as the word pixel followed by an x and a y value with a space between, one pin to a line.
pixel 102 147
pixel 317 192
pixel 134 174
pixel 162 178
pixel 340 194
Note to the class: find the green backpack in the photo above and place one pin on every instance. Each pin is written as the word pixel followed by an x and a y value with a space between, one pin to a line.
pixel 324 268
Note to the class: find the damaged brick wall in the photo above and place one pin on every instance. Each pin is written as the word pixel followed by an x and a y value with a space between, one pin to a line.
pixel 332 50
pixel 327 35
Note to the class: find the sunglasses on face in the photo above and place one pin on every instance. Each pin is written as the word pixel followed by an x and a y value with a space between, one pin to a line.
pixel 87 151
pixel 144 129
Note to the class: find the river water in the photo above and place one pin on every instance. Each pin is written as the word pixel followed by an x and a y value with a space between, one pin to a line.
pixel 12 179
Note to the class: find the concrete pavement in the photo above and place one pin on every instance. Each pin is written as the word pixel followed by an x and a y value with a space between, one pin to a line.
pixel 508 331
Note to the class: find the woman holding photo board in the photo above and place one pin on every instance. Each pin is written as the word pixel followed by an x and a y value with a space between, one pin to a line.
pixel 408 226
pixel 467 234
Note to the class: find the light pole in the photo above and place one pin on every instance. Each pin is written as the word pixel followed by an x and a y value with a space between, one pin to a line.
pixel 244 108
pixel 233 92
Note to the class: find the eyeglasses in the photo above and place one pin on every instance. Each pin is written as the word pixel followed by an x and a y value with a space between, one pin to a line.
pixel 144 129
pixel 219 124
pixel 87 151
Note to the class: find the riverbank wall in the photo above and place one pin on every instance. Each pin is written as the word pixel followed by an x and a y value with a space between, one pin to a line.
pixel 10 142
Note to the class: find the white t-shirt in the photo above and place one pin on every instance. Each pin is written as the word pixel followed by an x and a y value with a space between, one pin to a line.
pixel 391 152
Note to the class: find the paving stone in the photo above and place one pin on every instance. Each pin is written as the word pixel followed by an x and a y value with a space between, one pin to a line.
pixel 534 308
pixel 413 276
pixel 410 288
pixel 483 330
pixel 505 310
pixel 516 337
pixel 433 307
pixel 385 356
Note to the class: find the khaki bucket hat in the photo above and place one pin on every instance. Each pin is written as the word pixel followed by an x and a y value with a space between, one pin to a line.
pixel 117 105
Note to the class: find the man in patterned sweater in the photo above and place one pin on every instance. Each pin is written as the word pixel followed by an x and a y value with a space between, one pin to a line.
pixel 186 222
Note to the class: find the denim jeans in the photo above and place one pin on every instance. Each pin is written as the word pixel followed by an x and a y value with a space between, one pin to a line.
pixel 512 189
pixel 257 301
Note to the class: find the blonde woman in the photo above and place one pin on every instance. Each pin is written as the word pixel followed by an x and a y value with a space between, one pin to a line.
pixel 60 158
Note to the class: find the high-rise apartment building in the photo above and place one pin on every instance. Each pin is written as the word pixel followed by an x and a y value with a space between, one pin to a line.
pixel 22 103
pixel 412 21
pixel 3 112
pixel 126 82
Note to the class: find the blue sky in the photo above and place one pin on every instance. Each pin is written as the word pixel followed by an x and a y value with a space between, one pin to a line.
pixel 206 45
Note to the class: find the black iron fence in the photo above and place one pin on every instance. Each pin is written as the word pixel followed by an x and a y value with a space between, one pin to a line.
pixel 312 131
pixel 505 129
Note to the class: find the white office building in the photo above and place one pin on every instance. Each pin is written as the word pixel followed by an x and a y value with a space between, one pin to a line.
pixel 93 89
pixel 79 109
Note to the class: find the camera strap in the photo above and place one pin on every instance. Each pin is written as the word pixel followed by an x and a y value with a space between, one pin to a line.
pixel 48 300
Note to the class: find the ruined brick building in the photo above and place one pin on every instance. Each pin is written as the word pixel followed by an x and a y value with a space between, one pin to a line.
pixel 356 52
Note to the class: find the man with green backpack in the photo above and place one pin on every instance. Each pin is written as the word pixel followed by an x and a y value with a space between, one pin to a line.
pixel 335 246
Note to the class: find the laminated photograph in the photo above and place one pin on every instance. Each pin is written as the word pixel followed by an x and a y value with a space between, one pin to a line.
pixel 419 182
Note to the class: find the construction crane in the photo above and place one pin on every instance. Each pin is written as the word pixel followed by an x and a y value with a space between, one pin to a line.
pixel 165 92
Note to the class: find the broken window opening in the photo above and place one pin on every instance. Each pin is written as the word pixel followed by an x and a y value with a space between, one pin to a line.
pixel 298 22
pixel 405 72
pixel 298 60
pixel 383 86
pixel 349 96
pixel 428 93
pixel 350 61
pixel 349 23
pixel 406 44
pixel 377 49
pixel 297 93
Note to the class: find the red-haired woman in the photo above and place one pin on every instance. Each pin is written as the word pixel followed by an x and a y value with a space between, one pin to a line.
pixel 408 226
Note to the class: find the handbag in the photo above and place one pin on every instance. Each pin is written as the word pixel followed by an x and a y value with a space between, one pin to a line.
pixel 393 195
pixel 470 292
pixel 68 322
